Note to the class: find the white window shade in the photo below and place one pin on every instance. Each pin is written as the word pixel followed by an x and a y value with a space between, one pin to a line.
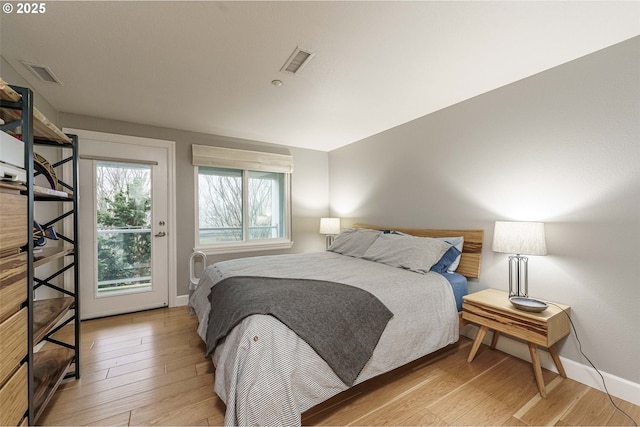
pixel 204 155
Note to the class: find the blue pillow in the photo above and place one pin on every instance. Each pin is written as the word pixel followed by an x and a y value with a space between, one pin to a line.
pixel 393 232
pixel 458 242
pixel 447 259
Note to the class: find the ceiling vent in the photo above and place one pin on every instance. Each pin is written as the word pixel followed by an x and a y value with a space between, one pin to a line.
pixel 297 61
pixel 43 73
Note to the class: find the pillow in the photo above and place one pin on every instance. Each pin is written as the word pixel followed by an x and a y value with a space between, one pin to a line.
pixel 458 242
pixel 354 241
pixel 449 257
pixel 417 254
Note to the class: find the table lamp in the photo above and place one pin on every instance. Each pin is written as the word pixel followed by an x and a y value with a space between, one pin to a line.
pixel 330 227
pixel 520 238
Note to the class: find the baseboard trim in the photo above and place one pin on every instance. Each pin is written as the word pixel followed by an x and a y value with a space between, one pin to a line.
pixel 180 300
pixel 618 387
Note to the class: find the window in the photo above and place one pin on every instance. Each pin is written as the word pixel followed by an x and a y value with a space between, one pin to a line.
pixel 244 207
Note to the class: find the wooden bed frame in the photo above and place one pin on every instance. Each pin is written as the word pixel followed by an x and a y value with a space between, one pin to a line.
pixel 471 251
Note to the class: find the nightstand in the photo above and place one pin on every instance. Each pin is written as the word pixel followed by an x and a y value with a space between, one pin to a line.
pixel 491 309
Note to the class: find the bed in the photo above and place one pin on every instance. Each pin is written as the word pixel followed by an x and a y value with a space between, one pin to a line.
pixel 267 375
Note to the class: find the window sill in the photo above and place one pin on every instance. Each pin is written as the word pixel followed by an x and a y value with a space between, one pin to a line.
pixel 244 247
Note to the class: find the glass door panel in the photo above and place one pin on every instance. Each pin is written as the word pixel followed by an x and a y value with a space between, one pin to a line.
pixel 123 225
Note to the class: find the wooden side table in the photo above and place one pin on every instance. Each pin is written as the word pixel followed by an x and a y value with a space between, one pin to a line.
pixel 491 309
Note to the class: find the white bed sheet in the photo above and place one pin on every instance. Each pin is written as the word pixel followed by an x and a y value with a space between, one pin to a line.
pixel 267 375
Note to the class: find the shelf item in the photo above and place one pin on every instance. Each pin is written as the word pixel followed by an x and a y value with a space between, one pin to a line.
pixel 12 150
pixel 13 284
pixel 13 212
pixel 13 343
pixel 11 186
pixel 46 255
pixel 44 194
pixel 14 398
pixel 10 173
pixel 42 166
pixel 14 315
pixel 13 338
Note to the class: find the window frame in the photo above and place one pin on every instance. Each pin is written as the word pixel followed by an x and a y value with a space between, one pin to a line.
pixel 246 245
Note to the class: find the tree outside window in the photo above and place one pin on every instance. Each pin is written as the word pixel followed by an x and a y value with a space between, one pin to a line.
pixel 240 205
pixel 123 195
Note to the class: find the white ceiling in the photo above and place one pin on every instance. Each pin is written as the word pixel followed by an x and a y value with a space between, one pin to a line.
pixel 207 66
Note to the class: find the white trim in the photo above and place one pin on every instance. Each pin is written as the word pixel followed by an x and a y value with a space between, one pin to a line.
pixel 233 248
pixel 171 198
pixel 617 386
pixel 247 245
pixel 118 160
pixel 181 300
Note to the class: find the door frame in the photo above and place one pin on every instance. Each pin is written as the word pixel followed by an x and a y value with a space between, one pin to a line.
pixel 170 146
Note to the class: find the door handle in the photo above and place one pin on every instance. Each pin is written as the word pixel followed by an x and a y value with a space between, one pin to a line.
pixel 161 234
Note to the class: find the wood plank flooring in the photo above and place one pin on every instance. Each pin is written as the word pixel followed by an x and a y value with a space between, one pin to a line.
pixel 149 368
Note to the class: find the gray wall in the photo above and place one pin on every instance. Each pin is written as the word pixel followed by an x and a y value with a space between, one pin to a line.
pixel 560 147
pixel 309 185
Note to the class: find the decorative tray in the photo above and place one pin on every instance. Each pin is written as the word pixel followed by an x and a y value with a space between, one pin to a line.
pixel 528 304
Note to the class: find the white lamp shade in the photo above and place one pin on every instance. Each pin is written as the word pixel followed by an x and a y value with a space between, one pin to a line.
pixel 330 226
pixel 521 238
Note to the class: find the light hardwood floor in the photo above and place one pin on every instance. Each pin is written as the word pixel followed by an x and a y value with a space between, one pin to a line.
pixel 149 369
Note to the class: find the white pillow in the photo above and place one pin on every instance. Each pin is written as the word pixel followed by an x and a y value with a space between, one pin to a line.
pixel 417 254
pixel 354 241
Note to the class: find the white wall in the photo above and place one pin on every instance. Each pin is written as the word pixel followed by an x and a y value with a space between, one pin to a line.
pixel 560 147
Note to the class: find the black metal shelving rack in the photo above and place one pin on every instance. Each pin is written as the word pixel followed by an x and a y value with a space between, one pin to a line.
pixel 48 368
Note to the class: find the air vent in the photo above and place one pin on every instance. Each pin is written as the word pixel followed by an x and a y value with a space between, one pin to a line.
pixel 297 61
pixel 43 73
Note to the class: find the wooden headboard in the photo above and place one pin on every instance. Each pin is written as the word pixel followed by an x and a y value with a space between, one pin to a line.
pixel 471 251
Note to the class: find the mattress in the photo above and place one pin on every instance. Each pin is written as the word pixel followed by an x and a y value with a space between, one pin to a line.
pixel 459 286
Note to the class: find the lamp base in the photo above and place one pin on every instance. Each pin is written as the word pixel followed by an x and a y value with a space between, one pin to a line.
pixel 528 304
pixel 329 242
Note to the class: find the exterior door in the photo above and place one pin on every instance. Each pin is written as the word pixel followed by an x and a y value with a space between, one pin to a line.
pixel 124 224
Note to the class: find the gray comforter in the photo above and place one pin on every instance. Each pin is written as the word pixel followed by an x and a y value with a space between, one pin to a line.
pixel 275 378
pixel 341 323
